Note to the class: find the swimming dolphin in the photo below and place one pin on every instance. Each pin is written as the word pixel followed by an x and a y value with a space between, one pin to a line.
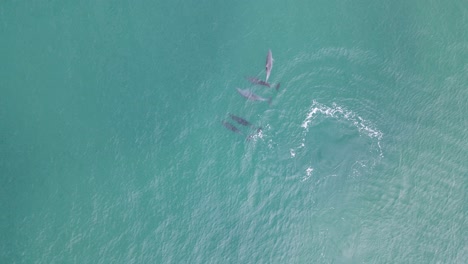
pixel 244 122
pixel 240 120
pixel 258 81
pixel 255 80
pixel 232 127
pixel 251 96
pixel 277 86
pixel 269 64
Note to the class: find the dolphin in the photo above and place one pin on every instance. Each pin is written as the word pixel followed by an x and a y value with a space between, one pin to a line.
pixel 269 64
pixel 255 80
pixel 240 120
pixel 258 81
pixel 251 96
pixel 244 122
pixel 277 86
pixel 232 128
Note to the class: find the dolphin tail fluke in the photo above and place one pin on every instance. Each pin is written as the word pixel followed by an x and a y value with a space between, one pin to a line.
pixel 277 86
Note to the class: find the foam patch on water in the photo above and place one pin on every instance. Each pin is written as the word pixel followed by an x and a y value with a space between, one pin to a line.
pixel 256 135
pixel 309 171
pixel 320 113
pixel 292 152
pixel 365 127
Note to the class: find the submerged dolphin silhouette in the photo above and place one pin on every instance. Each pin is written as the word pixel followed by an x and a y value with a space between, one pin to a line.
pixel 251 96
pixel 232 127
pixel 255 80
pixel 240 120
pixel 244 122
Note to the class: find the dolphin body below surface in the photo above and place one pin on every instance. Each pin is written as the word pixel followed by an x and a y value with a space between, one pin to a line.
pixel 258 81
pixel 251 96
pixel 244 122
pixel 268 65
pixel 240 120
pixel 232 127
pixel 255 80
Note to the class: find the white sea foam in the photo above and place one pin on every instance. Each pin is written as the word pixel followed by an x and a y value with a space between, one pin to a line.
pixel 338 112
pixel 292 152
pixel 256 135
pixel 309 171
pixel 363 126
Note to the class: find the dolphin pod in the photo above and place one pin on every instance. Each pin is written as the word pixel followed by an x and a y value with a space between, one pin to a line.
pixel 249 95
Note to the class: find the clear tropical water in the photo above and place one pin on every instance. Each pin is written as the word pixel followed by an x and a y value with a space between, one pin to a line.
pixel 112 148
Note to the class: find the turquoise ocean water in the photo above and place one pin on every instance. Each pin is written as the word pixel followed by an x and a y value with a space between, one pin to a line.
pixel 112 148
